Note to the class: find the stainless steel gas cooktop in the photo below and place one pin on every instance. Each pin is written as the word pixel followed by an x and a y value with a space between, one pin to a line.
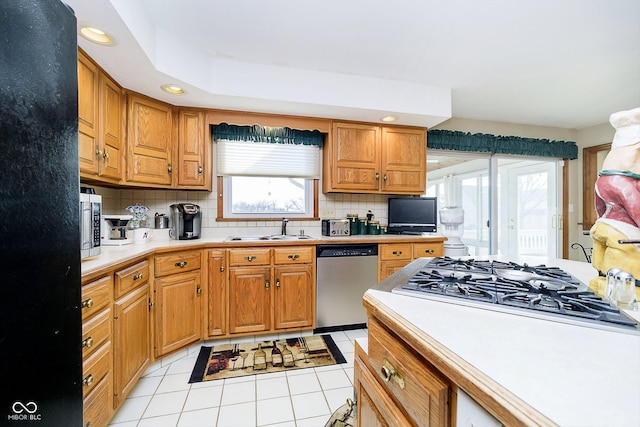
pixel 530 290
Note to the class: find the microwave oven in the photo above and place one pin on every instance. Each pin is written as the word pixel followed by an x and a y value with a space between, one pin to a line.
pixel 90 211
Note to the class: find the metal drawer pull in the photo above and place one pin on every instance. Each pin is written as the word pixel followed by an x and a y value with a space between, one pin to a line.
pixel 294 256
pixel 87 381
pixel 250 258
pixel 88 303
pixel 429 251
pixel 181 264
pixel 137 276
pixel 397 252
pixel 388 371
pixel 87 343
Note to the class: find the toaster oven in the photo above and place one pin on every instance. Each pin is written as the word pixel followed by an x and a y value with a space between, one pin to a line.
pixel 336 227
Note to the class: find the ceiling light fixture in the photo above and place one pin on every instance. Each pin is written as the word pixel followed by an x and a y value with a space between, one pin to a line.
pixel 173 89
pixel 96 35
pixel 389 119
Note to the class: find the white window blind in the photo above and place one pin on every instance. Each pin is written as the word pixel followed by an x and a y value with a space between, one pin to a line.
pixel 242 158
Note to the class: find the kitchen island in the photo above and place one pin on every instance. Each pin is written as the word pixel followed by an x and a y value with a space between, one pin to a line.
pixel 522 370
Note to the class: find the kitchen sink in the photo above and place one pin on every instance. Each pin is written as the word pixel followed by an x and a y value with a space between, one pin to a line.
pixel 273 237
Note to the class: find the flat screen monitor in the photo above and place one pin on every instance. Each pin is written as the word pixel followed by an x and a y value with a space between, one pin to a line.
pixel 413 215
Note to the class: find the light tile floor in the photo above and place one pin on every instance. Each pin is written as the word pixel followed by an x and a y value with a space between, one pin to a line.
pixel 298 398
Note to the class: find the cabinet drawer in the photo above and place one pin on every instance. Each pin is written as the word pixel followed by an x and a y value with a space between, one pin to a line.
pixel 420 389
pixel 427 250
pixel 97 404
pixel 95 332
pixel 255 256
pixel 96 295
pixel 95 367
pixel 394 251
pixel 177 263
pixel 131 277
pixel 293 255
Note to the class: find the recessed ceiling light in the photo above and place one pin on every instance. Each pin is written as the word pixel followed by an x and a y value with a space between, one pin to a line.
pixel 173 89
pixel 388 119
pixel 96 35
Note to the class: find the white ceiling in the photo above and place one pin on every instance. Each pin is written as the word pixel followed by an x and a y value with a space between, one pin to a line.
pixel 558 63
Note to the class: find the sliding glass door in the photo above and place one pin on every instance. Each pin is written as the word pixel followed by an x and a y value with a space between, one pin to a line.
pixel 518 195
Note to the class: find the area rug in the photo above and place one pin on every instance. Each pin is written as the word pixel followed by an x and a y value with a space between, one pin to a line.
pixel 251 358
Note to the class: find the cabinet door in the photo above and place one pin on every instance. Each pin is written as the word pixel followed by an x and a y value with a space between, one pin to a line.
pixel 149 141
pixel 374 406
pixel 132 341
pixel 192 169
pixel 354 162
pixel 177 312
pixel 217 295
pixel 88 149
pixel 111 129
pixel 404 160
pixel 387 268
pixel 294 296
pixel 249 299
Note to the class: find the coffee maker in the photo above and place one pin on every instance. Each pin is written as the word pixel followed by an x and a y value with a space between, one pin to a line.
pixel 185 221
pixel 114 230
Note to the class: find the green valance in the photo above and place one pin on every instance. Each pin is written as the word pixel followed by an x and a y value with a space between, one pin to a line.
pixel 266 134
pixel 485 143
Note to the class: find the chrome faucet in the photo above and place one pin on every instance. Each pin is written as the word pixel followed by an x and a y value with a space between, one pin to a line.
pixel 284 226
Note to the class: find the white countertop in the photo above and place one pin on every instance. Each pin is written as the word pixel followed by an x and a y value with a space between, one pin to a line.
pixel 574 375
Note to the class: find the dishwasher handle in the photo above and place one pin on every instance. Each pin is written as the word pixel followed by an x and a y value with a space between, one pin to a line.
pixel 346 250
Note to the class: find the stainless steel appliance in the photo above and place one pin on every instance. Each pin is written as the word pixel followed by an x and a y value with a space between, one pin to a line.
pixel 336 227
pixel 531 290
pixel 114 230
pixel 344 273
pixel 186 221
pixel 90 210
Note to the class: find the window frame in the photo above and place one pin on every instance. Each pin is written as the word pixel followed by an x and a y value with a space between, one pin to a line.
pixel 262 217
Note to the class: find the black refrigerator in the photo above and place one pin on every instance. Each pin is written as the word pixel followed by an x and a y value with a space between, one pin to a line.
pixel 40 319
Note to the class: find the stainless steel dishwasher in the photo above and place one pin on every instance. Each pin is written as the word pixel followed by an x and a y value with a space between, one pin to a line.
pixel 344 273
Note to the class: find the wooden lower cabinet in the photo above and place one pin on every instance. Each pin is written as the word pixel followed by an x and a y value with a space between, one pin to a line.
pixel 132 340
pixel 217 294
pixel 271 289
pixel 293 301
pixel 393 256
pixel 177 312
pixel 395 386
pixel 249 299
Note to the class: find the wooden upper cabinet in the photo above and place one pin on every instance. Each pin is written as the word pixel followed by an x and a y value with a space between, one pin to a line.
pixel 354 157
pixel 149 141
pixel 194 163
pixel 404 160
pixel 88 115
pixel 366 158
pixel 100 123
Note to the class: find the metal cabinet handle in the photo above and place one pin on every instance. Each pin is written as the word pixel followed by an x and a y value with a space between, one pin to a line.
pixel 200 170
pixel 198 290
pixel 384 177
pixel 429 251
pixel 87 381
pixel 278 283
pixel 181 264
pixel 267 284
pixel 98 153
pixel 388 372
pixel 377 176
pixel 87 343
pixel 222 268
pixel 137 276
pixel 250 258
pixel 294 256
pixel 397 252
pixel 105 155
pixel 88 303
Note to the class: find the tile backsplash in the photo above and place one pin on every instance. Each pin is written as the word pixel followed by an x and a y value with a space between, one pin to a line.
pixel 115 201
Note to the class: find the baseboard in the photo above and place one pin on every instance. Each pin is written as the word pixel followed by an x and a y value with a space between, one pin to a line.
pixel 339 328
